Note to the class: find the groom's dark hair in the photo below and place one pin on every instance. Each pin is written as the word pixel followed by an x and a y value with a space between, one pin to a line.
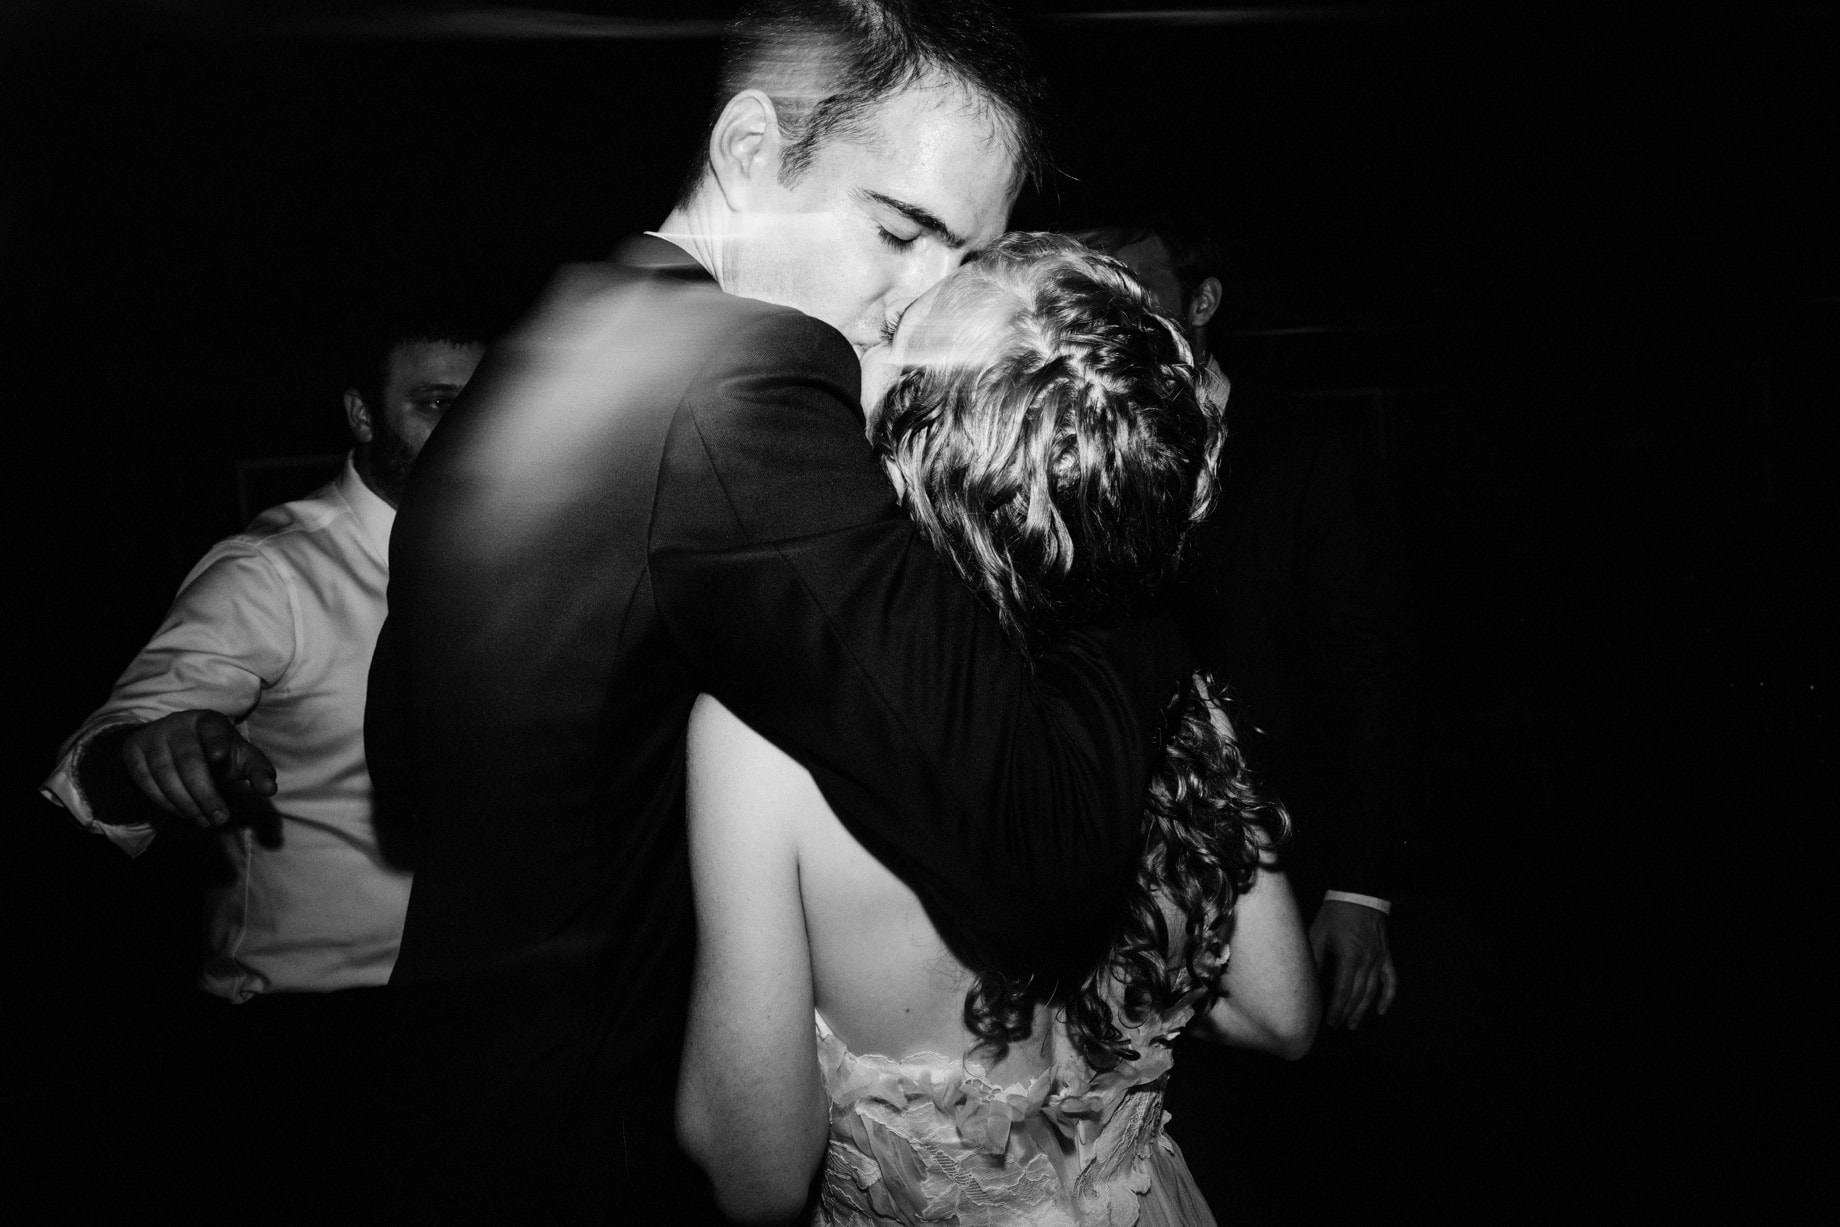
pixel 827 64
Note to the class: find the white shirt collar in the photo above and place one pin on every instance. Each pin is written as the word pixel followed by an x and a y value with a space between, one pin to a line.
pixel 377 516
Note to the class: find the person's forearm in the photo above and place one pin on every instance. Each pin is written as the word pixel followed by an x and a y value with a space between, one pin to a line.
pixel 1270 999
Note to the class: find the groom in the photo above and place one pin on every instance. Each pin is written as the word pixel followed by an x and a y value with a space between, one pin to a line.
pixel 659 486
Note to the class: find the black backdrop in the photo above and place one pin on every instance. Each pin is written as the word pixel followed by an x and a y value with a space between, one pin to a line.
pixel 1571 268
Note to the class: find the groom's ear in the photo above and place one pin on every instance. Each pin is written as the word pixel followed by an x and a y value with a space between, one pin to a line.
pixel 744 150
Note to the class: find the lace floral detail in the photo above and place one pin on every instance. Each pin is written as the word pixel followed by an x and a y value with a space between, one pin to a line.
pixel 1114 1118
pixel 929 1140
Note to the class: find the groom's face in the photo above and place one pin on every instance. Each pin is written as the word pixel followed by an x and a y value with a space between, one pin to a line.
pixel 878 218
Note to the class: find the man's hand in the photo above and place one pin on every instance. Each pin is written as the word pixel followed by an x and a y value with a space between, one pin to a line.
pixel 180 762
pixel 1352 936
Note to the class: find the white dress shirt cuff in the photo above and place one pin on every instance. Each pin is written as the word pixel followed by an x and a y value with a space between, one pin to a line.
pixel 1344 896
pixel 62 789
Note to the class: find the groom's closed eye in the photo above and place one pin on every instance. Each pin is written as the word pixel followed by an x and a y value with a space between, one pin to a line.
pixel 924 220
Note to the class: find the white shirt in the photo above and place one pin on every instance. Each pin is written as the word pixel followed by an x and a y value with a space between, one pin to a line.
pixel 275 628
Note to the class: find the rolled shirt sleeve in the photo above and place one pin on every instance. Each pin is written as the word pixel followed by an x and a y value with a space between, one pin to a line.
pixel 230 634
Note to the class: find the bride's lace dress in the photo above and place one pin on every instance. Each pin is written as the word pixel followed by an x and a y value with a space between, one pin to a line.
pixel 928 1139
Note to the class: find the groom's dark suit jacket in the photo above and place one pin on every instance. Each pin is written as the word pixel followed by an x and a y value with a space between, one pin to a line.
pixel 653 489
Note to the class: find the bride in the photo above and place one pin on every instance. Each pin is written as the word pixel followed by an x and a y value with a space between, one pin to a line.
pixel 1039 423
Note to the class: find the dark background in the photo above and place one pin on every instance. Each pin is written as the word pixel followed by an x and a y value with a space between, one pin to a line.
pixel 1571 270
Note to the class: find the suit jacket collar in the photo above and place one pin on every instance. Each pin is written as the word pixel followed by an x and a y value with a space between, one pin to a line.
pixel 660 257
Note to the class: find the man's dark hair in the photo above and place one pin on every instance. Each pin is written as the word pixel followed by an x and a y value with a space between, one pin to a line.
pixel 1194 253
pixel 404 317
pixel 827 64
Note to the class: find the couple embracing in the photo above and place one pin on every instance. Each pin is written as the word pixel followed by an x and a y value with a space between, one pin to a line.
pixel 968 839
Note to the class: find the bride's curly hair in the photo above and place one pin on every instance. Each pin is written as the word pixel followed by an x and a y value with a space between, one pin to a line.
pixel 1050 443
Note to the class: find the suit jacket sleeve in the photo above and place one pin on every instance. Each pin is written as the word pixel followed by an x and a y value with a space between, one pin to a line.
pixel 1011 799
pixel 1355 640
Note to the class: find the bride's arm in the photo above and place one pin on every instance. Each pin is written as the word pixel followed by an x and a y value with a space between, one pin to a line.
pixel 1270 997
pixel 751 1108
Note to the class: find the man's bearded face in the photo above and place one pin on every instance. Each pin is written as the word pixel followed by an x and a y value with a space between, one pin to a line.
pixel 421 380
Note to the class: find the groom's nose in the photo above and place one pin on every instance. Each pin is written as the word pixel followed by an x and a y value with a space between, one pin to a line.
pixel 926 268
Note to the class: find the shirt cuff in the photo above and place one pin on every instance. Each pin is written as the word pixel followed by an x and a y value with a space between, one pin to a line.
pixel 62 788
pixel 1344 896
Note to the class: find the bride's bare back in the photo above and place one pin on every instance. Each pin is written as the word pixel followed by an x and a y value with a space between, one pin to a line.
pixel 881 976
pixel 884 980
